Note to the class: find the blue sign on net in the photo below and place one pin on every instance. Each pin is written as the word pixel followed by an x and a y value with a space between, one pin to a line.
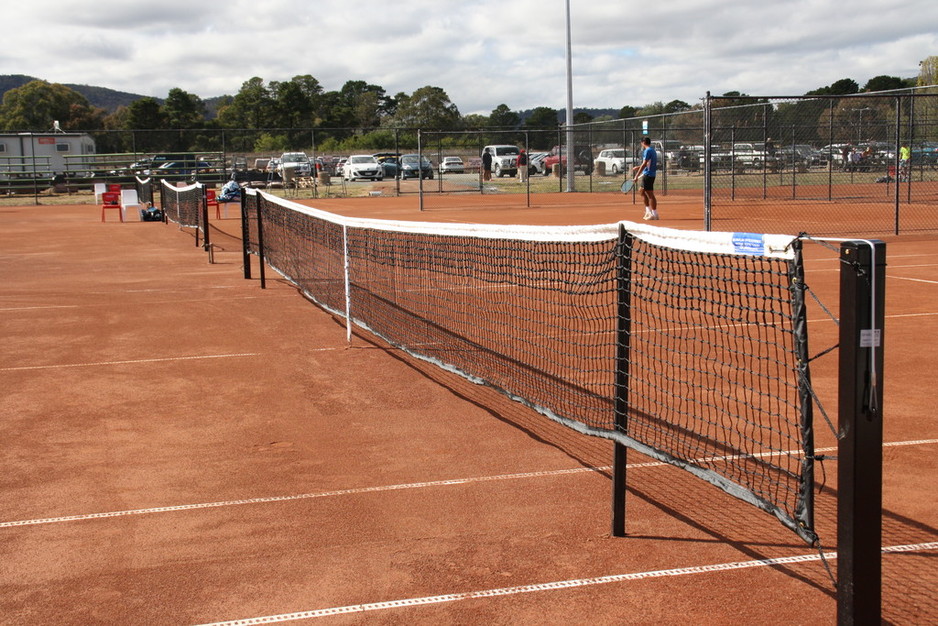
pixel 748 243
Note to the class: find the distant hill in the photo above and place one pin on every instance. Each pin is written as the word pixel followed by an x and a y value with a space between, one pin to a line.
pixel 102 97
pixel 107 99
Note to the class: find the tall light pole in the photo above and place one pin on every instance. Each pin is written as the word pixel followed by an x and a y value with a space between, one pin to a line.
pixel 570 148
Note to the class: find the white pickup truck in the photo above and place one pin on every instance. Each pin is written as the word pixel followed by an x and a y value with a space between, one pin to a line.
pixel 750 155
pixel 504 159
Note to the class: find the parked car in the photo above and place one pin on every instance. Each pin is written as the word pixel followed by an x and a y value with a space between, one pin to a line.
pixel 504 159
pixel 668 150
pixel 536 163
pixel 452 165
pixel 170 168
pixel 750 154
pixel 835 152
pixel 414 165
pixel 582 159
pixel 362 166
pixel 614 161
pixel 925 153
pixel 390 162
pixel 297 161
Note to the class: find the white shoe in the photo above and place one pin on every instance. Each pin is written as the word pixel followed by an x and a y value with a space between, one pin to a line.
pixel 653 216
pixel 647 215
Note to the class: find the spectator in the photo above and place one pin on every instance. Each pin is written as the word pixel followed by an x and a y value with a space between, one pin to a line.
pixel 486 165
pixel 522 166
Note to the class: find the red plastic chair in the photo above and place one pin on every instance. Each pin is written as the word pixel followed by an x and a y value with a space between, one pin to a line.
pixel 111 200
pixel 114 187
pixel 211 199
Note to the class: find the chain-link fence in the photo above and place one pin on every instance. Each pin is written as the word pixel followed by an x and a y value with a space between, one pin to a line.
pixel 865 163
pixel 862 163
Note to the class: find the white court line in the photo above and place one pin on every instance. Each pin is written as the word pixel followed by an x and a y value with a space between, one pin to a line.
pixel 399 487
pixel 899 315
pixel 129 362
pixel 555 585
pixel 917 280
pixel 43 307
pixel 153 303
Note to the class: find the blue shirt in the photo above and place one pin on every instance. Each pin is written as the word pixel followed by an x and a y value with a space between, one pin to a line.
pixel 649 154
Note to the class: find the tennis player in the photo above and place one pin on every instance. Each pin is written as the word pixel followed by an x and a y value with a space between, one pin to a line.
pixel 647 172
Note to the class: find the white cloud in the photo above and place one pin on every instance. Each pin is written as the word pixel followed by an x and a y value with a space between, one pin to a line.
pixel 482 53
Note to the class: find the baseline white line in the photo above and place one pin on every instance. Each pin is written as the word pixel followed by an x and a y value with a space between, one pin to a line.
pixel 555 585
pixel 399 487
pixel 129 362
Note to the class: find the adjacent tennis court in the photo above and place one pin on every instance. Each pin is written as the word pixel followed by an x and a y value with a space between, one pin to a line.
pixel 182 446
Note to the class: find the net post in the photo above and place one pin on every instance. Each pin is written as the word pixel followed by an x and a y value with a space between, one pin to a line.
pixel 860 449
pixel 260 243
pixel 206 244
pixel 623 331
pixel 245 239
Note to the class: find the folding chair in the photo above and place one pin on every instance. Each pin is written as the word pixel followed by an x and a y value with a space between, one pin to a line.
pixel 111 200
pixel 211 200
pixel 128 199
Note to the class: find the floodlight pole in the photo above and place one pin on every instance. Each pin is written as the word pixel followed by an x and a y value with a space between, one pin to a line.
pixel 569 147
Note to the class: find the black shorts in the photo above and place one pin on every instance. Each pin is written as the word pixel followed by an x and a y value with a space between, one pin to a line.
pixel 648 183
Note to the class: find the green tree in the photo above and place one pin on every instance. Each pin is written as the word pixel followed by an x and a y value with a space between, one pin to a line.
pixel 676 106
pixel 183 110
pixel 884 83
pixel 38 104
pixel 842 87
pixel 542 118
pixel 476 121
pixel 627 112
pixel 928 72
pixel 252 107
pixel 357 105
pixel 502 117
pixel 145 113
pixel 428 107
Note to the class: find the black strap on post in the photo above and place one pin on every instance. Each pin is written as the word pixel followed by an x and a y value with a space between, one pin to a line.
pixel 245 238
pixel 260 242
pixel 623 333
pixel 860 450
pixel 206 244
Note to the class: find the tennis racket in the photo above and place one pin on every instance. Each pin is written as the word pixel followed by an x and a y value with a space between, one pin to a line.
pixel 627 185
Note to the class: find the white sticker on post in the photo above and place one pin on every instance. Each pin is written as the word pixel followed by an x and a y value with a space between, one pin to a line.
pixel 870 338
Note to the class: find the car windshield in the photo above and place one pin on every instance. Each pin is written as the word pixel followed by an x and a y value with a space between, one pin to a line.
pixel 295 158
pixel 506 150
pixel 362 159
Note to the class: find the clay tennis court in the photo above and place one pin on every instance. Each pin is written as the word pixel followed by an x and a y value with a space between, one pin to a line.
pixel 183 447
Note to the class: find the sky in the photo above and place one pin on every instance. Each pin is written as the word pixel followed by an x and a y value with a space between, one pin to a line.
pixel 482 53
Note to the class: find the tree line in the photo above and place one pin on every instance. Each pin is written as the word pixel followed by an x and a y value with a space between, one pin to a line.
pixel 283 112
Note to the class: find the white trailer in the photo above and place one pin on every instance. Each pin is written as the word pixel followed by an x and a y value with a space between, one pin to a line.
pixel 44 154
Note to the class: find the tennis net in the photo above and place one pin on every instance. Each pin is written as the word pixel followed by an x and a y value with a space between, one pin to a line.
pixel 186 207
pixel 688 347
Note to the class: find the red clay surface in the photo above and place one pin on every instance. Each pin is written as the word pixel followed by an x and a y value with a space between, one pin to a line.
pixel 182 447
